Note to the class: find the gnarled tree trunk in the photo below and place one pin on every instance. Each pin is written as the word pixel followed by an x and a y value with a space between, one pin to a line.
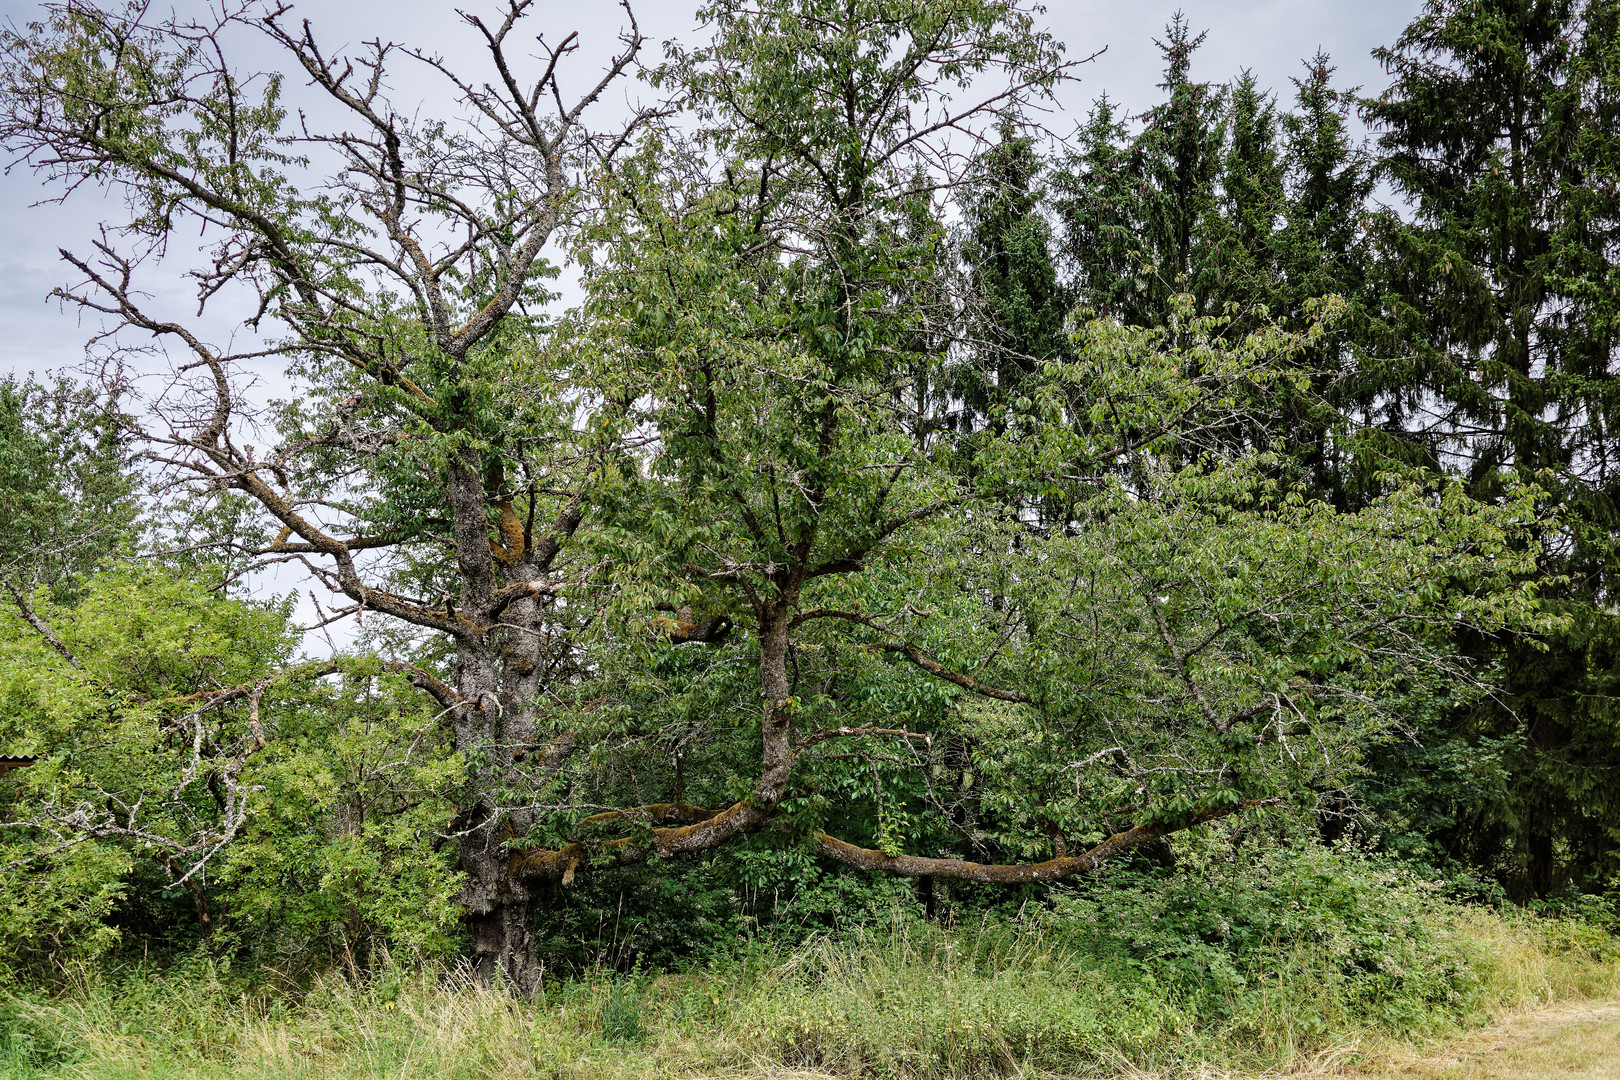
pixel 498 920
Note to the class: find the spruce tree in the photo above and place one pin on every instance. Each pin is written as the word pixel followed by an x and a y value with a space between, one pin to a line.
pixel 1018 307
pixel 1251 198
pixel 1098 201
pixel 1500 130
pixel 1137 211
pixel 1321 248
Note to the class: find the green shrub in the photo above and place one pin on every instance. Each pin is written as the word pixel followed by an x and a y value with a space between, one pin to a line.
pixel 1296 938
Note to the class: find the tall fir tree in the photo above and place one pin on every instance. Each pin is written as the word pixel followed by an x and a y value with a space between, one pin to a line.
pixel 1251 198
pixel 1178 160
pixel 1501 131
pixel 1097 200
pixel 1321 247
pixel 1136 210
pixel 1017 318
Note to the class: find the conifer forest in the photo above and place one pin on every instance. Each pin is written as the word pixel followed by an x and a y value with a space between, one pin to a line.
pixel 796 548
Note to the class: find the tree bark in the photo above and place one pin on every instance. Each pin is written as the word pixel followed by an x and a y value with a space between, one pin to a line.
pixel 498 919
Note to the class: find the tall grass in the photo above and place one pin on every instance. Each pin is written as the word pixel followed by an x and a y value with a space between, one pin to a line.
pixel 910 999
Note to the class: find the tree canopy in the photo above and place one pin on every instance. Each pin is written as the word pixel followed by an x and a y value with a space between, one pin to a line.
pixel 900 497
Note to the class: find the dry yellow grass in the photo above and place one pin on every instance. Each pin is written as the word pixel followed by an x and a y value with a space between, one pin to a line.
pixel 1568 1042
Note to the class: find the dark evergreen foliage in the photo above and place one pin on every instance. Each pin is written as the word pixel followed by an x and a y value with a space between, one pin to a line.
pixel 1500 133
pixel 1479 338
pixel 1019 321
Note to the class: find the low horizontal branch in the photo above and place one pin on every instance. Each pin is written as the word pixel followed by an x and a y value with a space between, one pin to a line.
pixel 1011 873
pixel 280 544
pixel 523 590
pixel 966 682
pixel 674 813
pixel 213 699
pixel 711 830
pixel 708 829
pixel 427 682
pixel 865 729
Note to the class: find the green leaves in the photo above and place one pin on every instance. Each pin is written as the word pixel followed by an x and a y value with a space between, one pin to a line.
pixel 1106 597
pixel 822 508
pixel 66 500
pixel 331 795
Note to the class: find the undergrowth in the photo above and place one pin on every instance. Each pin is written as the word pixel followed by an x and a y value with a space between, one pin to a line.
pixel 1252 966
